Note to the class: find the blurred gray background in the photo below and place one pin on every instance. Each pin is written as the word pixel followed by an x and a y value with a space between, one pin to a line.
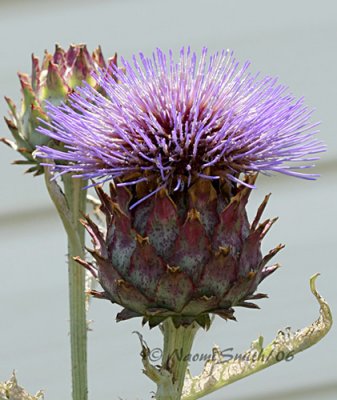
pixel 295 40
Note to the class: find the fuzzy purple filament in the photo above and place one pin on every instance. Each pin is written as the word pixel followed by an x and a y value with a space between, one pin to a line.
pixel 173 121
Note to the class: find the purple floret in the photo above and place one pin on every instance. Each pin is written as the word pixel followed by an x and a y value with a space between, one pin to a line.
pixel 173 121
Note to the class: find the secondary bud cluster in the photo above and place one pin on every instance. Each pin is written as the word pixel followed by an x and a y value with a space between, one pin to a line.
pixel 51 81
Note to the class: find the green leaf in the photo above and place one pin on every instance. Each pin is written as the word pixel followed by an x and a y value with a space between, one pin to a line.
pixel 219 372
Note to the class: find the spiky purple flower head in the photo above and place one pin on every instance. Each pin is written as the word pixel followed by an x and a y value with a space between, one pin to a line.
pixel 170 122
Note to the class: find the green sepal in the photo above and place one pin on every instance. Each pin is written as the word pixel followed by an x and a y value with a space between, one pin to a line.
pixel 20 142
pixel 35 73
pixel 81 70
pixel 34 137
pixel 29 97
pixel 204 320
pixel 55 90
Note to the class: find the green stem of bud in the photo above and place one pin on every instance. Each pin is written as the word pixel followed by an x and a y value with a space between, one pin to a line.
pixel 76 197
pixel 69 205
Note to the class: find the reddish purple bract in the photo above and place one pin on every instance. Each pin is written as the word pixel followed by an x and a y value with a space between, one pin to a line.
pixel 182 256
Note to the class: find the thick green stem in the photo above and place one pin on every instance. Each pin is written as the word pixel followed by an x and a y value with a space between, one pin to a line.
pixel 69 205
pixel 176 355
pixel 76 198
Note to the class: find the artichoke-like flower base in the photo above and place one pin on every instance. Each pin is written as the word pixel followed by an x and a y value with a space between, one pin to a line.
pixel 183 255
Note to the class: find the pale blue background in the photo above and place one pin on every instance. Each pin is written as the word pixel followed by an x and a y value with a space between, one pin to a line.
pixel 295 40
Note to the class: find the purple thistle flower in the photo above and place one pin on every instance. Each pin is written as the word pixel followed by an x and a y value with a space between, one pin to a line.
pixel 173 121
